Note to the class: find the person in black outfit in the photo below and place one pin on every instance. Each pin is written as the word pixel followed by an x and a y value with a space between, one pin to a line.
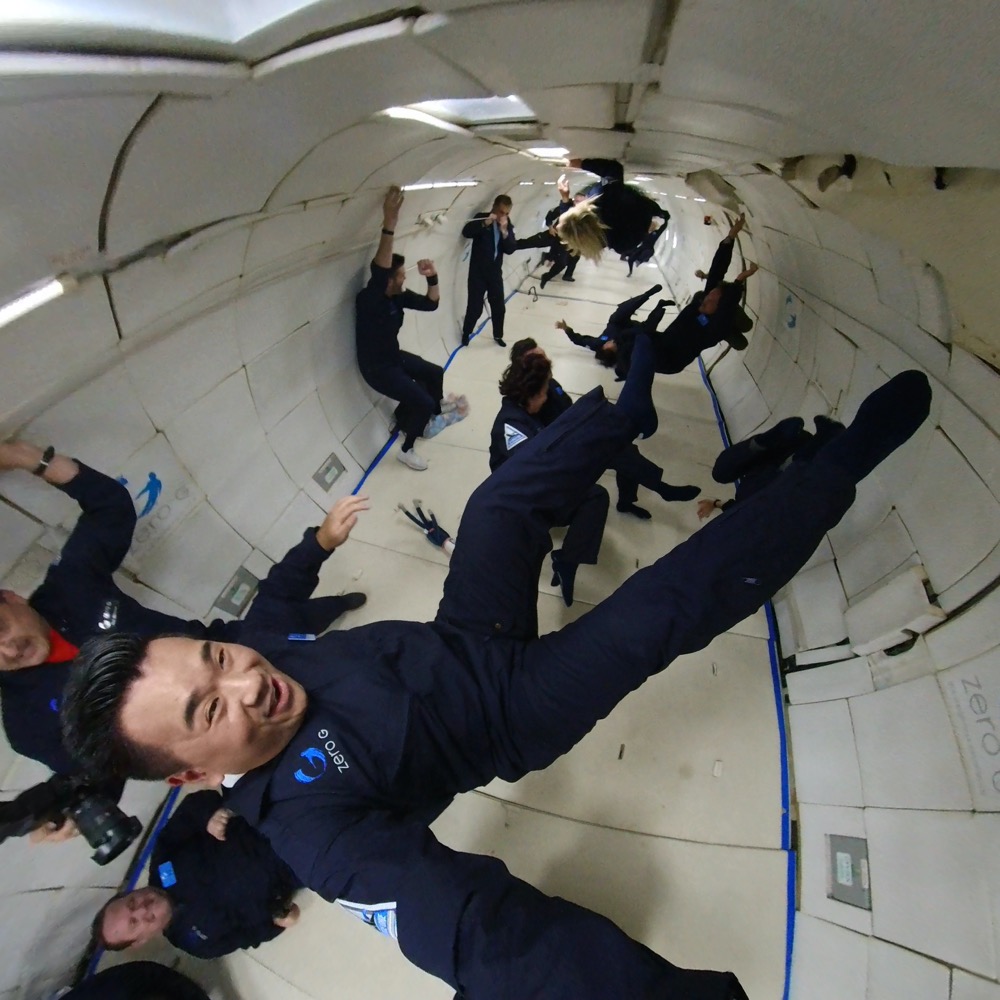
pixel 620 327
pixel 525 387
pixel 362 736
pixel 492 235
pixel 415 383
pixel 709 318
pixel 755 462
pixel 215 886
pixel 614 214
pixel 137 981
pixel 79 598
pixel 632 468
pixel 561 258
pixel 645 250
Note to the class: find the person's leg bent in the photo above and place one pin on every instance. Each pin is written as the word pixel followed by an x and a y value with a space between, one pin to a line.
pixel 623 312
pixel 585 527
pixel 429 376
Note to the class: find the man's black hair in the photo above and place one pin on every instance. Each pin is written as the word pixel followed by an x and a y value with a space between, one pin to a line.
pixel 607 358
pixel 102 674
pixel 398 260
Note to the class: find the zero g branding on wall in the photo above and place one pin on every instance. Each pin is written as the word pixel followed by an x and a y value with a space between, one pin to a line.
pixel 317 759
pixel 972 692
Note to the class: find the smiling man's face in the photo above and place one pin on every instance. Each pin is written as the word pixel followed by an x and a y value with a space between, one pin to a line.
pixel 217 707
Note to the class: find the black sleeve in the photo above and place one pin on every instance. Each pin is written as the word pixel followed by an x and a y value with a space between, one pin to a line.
pixel 553 213
pixel 103 533
pixel 720 264
pixel 508 243
pixel 379 279
pixel 246 931
pixel 414 300
pixel 474 226
pixel 287 584
pixel 592 343
pixel 189 819
pixel 604 168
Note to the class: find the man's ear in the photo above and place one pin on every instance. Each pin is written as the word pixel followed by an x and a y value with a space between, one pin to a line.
pixel 191 775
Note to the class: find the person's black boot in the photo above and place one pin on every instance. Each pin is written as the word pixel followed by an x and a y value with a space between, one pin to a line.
pixel 669 492
pixel 634 509
pixel 563 576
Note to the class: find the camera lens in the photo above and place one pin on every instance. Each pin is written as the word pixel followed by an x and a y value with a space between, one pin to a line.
pixel 106 828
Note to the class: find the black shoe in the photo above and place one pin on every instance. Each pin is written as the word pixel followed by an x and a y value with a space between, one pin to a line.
pixel 569 279
pixel 634 510
pixel 666 302
pixel 500 342
pixel 545 279
pixel 563 576
pixel 465 339
pixel 354 600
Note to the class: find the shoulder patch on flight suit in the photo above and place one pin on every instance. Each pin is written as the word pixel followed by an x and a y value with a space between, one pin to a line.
pixel 512 437
pixel 167 876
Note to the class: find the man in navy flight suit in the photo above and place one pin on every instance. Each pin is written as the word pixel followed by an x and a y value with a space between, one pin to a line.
pixel 79 598
pixel 354 745
pixel 215 885
pixel 492 235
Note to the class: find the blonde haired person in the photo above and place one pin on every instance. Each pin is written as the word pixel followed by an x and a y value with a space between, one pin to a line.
pixel 614 214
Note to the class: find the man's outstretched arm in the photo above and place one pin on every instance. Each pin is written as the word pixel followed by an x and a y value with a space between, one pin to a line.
pixel 103 534
pixel 294 578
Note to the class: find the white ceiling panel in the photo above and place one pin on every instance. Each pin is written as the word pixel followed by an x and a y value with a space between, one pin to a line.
pixel 195 162
pixel 574 107
pixel 54 171
pixel 494 44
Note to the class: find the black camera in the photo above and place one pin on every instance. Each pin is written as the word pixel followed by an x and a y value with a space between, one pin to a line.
pixel 65 796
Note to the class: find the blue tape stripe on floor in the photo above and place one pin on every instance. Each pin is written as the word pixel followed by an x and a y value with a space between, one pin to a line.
pixel 374 462
pixel 779 705
pixel 139 865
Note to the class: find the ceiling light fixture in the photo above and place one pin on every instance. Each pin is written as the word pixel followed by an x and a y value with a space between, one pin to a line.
pixel 427 186
pixel 548 152
pixel 38 296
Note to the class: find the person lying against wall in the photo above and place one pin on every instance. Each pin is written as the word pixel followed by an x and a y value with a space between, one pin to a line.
pixel 215 886
pixel 614 215
pixel 349 746
pixel 416 384
pixel 79 598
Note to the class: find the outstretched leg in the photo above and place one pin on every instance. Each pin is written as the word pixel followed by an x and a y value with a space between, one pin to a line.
pixel 570 679
pixel 623 312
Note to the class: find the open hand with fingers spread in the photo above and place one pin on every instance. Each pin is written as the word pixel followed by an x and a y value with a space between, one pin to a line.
pixel 338 523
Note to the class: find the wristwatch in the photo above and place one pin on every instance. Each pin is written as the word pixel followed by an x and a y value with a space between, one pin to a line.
pixel 47 456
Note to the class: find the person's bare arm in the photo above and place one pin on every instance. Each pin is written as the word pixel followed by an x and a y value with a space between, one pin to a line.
pixel 23 455
pixel 390 216
pixel 748 273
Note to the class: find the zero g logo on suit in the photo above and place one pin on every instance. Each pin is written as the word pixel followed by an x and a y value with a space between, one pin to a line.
pixel 317 759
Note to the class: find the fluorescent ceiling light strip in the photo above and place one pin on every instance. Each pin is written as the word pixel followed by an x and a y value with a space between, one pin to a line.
pixel 427 186
pixel 30 301
pixel 700 199
pixel 345 40
pixel 548 152
pixel 525 184
pixel 683 197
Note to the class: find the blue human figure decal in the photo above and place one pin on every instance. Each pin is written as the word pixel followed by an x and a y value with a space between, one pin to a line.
pixel 152 491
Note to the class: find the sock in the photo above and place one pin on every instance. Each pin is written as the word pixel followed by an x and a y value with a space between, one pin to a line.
pixel 635 398
pixel 669 492
pixel 634 510
pixel 886 419
pixel 563 576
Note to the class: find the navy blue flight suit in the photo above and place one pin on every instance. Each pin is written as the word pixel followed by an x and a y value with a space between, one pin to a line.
pixel 416 384
pixel 486 272
pixel 225 893
pixel 403 715
pixel 584 515
pixel 562 258
pixel 691 332
pixel 79 599
pixel 137 981
pixel 624 209
pixel 621 326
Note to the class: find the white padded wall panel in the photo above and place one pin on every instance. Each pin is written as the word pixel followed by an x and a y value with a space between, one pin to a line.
pixel 292 238
pixel 250 138
pixel 282 376
pixel 52 200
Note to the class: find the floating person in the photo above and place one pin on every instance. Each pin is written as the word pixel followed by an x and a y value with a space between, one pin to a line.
pixel 614 215
pixel 388 722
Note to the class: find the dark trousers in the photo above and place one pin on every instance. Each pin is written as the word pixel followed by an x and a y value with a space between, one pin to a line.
pixel 563 260
pixel 584 518
pixel 487 284
pixel 417 385
pixel 632 470
pixel 623 313
pixel 550 691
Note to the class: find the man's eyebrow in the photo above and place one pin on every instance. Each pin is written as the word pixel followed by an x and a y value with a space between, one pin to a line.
pixel 195 697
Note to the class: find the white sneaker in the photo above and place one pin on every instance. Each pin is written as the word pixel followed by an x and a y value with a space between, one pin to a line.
pixel 412 459
pixel 449 403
